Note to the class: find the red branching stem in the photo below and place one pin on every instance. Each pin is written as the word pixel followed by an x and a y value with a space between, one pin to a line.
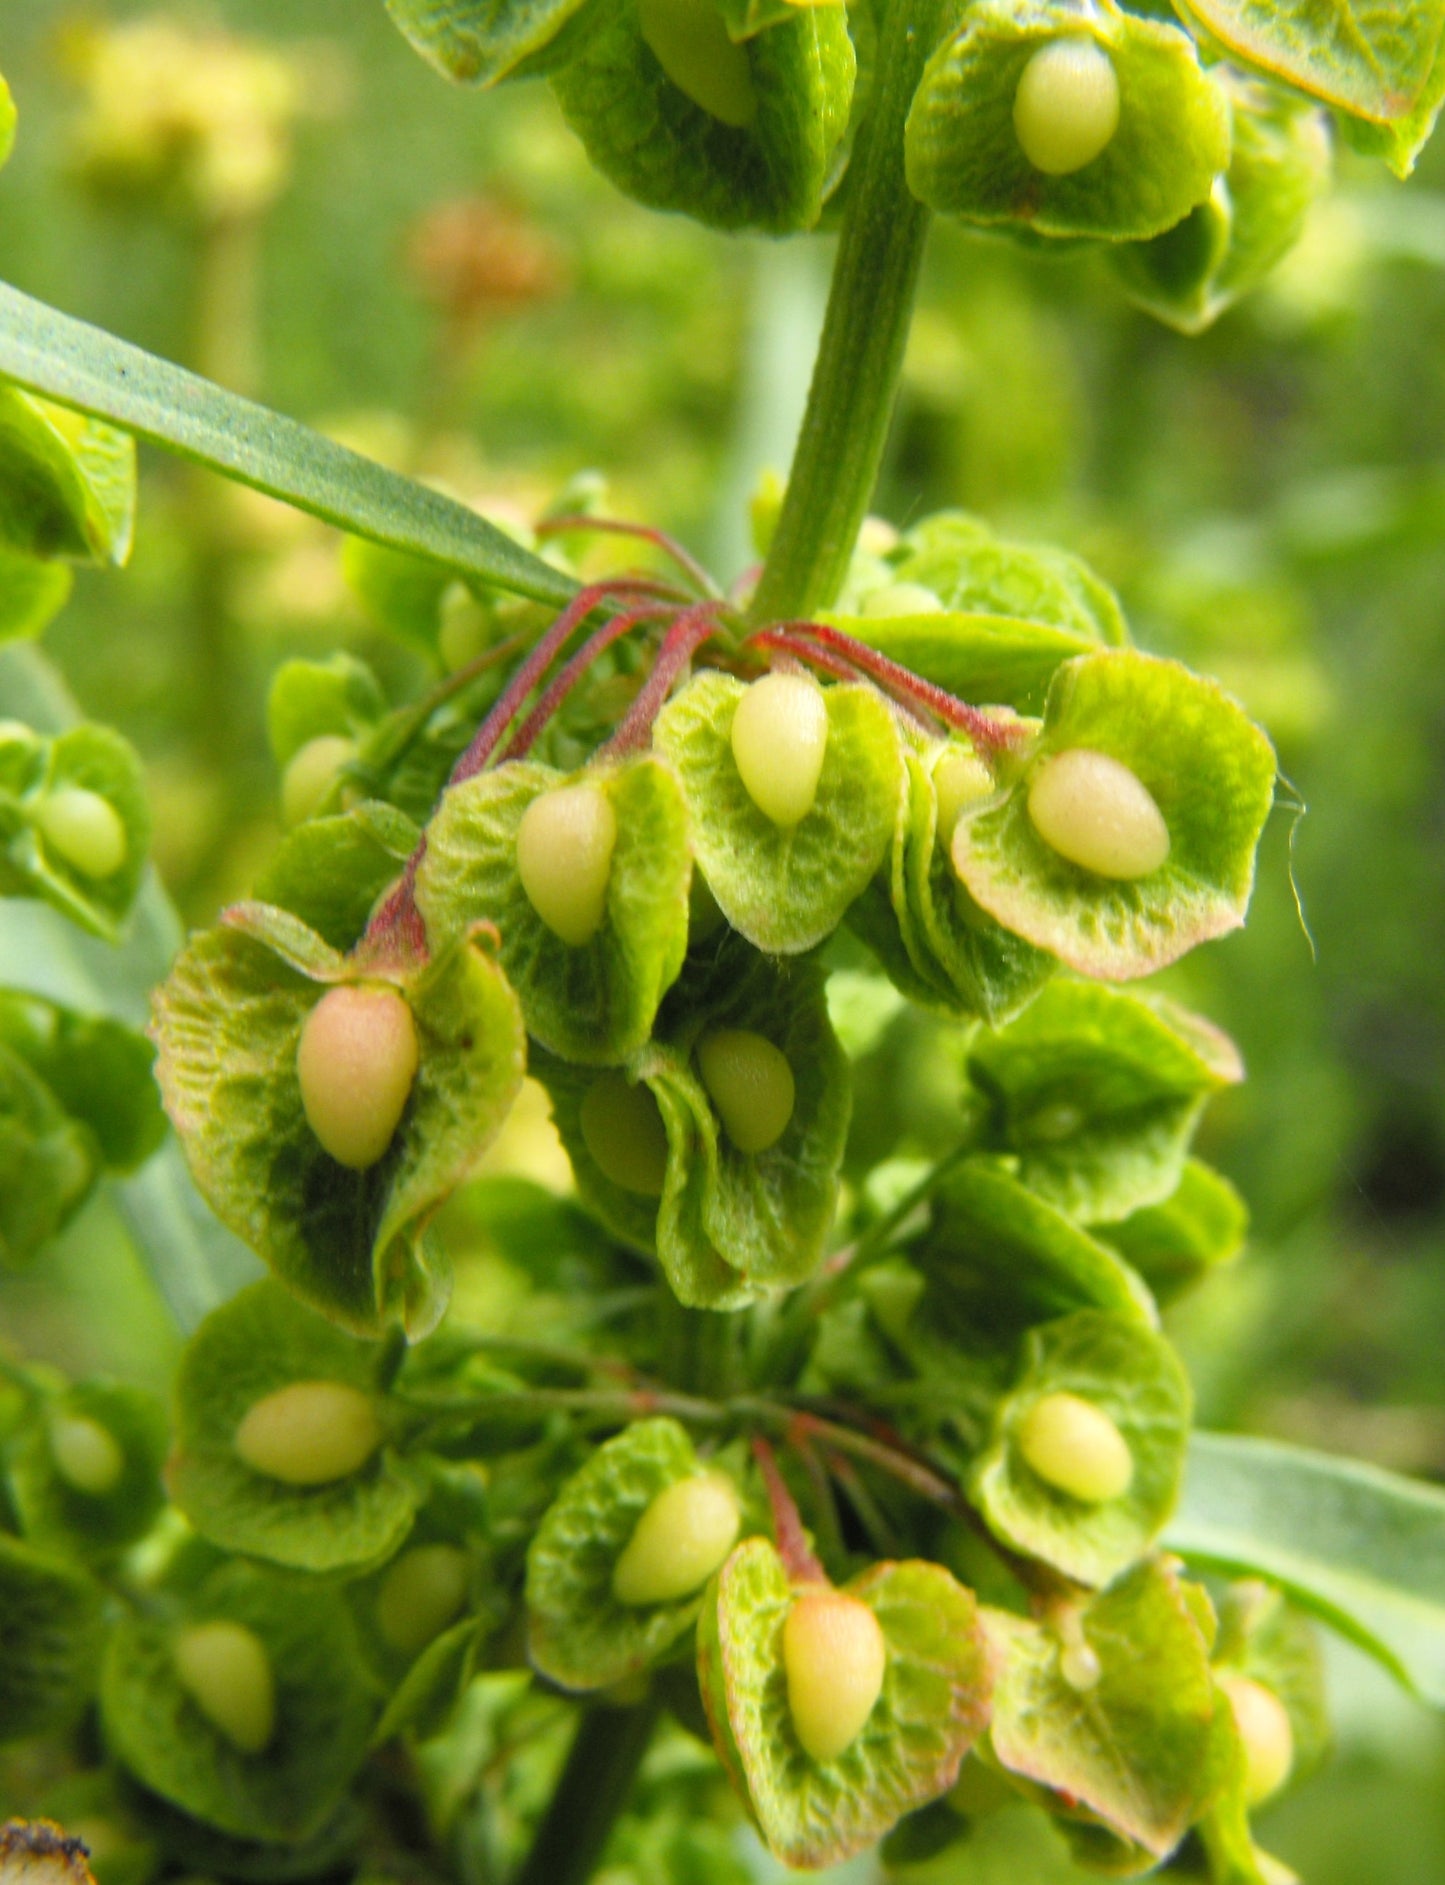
pixel 793 1547
pixel 396 935
pixel 795 649
pixel 562 684
pixel 643 533
pixel 687 634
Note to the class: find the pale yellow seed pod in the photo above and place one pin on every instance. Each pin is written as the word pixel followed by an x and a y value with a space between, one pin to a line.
pixel 1074 1446
pixel 960 779
pixel 750 1083
pixel 356 1061
pixel 1265 1734
pixel 779 742
pixel 310 774
pixel 834 1657
pixel 680 1540
pixel 564 859
pixel 309 1433
pixel 1093 811
pixel 87 1456
pixel 622 1128
pixel 422 1592
pixel 84 830
pixel 690 42
pixel 225 1670
pixel 1066 108
pixel 900 599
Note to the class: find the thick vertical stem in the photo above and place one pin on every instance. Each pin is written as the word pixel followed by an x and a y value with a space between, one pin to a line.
pixel 594 1788
pixel 855 378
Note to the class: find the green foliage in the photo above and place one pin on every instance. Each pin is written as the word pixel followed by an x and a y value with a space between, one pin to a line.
pixel 68 482
pixel 63 1510
pixel 53 1624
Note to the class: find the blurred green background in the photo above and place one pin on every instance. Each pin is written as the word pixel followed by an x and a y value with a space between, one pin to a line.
pixel 437 276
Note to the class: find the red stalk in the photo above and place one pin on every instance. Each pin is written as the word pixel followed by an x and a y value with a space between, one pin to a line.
pixel 686 635
pixel 562 684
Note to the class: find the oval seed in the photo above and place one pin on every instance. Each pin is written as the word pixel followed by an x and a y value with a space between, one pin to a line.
pixel 1075 1447
pixel 1265 1734
pixel 622 1128
pixel 310 774
pixel 84 830
pixel 1094 812
pixel 960 778
pixel 834 1657
pixel 87 1456
pixel 779 741
pixel 689 41
pixel 356 1061
pixel 898 599
pixel 309 1433
pixel 564 859
pixel 680 1540
pixel 225 1670
pixel 1066 109
pixel 420 1595
pixel 750 1083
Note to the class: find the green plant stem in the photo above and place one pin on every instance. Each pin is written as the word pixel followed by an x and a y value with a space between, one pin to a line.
pixel 589 1797
pixel 860 356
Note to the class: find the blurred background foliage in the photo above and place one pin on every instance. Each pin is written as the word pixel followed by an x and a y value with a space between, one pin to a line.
pixel 438 278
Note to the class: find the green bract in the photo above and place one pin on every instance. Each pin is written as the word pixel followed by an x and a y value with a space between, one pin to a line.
pixel 785 887
pixel 592 1002
pixel 32 593
pixel 581 1634
pixel 257 1345
pixel 966 155
pixel 1177 1242
pixel 1208 769
pixel 933 1703
pixel 85 1468
pixel 331 871
pixel 52 1624
pixel 483 41
pixel 351 1243
pixel 1130 1375
pixel 769 167
pixel 337 699
pixel 67 483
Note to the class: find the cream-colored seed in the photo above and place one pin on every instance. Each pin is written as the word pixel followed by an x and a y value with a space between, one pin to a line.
pixel 87 1456
pixel 834 1657
pixel 691 44
pixel 309 1433
pixel 779 742
pixel 420 1595
pixel 356 1061
pixel 622 1128
pixel 1066 108
pixel 960 779
pixel 1265 1734
pixel 680 1540
pixel 1073 1446
pixel 901 599
pixel 84 830
pixel 750 1083
pixel 1093 811
pixel 310 774
pixel 564 859
pixel 225 1670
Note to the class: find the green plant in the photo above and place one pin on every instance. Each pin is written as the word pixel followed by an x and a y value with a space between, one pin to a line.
pixel 672 818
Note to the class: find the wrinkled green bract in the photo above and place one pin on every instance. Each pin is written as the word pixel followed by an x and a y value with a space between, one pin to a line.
pixel 480 42
pixel 1176 1243
pixel 93 1525
pixel 331 872
pixel 52 1624
pixel 933 1704
pixel 964 154
pixel 67 483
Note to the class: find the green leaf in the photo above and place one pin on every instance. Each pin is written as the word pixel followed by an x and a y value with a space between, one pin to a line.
pixel 1360 1548
pixel 1111 1706
pixel 1096 1094
pixel 32 594
pixel 52 1509
pixel 67 483
pixel 324 1710
pixel 256 1344
pixel 310 699
pixel 99 1071
pixel 352 1244
pixel 34 862
pixel 423 1701
pixel 480 42
pixel 786 888
pixel 578 1634
pixel 48 1162
pixel 933 1704
pixel 1175 1244
pixel 82 367
pixel 1373 59
pixel 965 158
pixel 593 1003
pixel 1279 165
pixel 650 137
pixel 331 872
pixel 52 1626
pixel 1133 1376
pixel 1211 774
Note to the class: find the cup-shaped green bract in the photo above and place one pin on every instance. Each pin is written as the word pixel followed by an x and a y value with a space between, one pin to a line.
pixel 67 482
pixel 739 135
pixel 930 1703
pixel 589 995
pixel 1016 122
pixel 85 1468
pixel 52 1616
pixel 333 870
pixel 229 1023
pixel 1209 771
pixel 480 44
pixel 1174 1244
